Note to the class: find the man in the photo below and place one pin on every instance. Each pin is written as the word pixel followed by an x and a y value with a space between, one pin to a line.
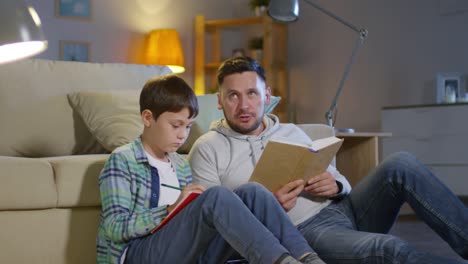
pixel 341 225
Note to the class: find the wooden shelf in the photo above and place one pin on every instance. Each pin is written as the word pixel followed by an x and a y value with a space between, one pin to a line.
pixel 233 22
pixel 212 65
pixel 274 58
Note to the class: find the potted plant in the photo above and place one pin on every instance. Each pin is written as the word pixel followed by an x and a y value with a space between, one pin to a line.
pixel 258 6
pixel 255 45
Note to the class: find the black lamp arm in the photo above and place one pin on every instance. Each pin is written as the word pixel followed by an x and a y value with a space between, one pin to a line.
pixel 329 115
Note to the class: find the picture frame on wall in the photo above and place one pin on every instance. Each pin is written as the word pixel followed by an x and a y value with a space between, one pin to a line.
pixel 450 87
pixel 75 9
pixel 74 51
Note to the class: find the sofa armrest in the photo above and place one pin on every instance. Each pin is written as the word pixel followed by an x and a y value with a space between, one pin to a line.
pixel 317 131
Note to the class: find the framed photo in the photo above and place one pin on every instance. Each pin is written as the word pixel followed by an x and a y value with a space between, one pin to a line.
pixel 74 51
pixel 450 87
pixel 78 9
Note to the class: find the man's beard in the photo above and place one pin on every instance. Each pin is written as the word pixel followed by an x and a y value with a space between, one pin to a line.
pixel 244 130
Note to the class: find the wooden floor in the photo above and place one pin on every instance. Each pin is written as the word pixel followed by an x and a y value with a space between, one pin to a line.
pixel 420 236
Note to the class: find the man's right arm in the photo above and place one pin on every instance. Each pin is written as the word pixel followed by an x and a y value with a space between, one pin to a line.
pixel 202 159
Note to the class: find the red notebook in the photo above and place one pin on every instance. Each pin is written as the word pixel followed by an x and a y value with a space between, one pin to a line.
pixel 183 202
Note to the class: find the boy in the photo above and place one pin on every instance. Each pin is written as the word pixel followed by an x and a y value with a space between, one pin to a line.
pixel 135 198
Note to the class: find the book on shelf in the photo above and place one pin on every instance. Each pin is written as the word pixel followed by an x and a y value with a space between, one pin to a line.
pixel 283 162
pixel 189 197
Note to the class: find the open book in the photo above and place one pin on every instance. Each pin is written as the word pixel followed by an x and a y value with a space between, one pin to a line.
pixel 283 162
pixel 182 203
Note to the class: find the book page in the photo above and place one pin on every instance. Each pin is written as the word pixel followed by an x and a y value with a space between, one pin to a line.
pixel 288 141
pixel 324 142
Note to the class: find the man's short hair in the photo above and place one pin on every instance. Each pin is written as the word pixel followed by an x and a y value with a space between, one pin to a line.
pixel 169 93
pixel 239 65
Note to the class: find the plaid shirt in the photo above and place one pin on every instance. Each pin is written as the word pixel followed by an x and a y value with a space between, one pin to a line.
pixel 125 186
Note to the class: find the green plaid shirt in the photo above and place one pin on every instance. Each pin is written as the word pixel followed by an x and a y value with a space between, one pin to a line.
pixel 125 186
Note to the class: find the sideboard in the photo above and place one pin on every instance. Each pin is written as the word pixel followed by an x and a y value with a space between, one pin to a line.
pixel 436 134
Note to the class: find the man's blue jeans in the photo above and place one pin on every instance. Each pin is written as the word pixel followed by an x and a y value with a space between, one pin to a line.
pixel 354 230
pixel 251 221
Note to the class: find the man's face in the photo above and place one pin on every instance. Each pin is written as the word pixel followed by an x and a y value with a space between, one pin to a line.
pixel 242 98
pixel 168 132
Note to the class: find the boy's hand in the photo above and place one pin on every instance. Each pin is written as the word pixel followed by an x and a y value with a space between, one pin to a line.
pixel 193 188
pixel 185 191
pixel 287 195
pixel 322 185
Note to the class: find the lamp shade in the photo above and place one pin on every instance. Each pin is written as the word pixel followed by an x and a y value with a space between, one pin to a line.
pixel 21 35
pixel 163 48
pixel 284 10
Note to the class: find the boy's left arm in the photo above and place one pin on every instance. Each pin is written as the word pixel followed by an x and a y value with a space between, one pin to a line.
pixel 122 222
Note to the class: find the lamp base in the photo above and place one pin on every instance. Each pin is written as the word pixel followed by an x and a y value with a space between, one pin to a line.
pixel 345 130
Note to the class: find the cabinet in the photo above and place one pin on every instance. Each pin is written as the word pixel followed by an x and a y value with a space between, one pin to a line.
pixel 436 134
pixel 274 57
pixel 359 154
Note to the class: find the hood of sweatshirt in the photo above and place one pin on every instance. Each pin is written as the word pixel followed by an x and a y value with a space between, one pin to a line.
pixel 256 142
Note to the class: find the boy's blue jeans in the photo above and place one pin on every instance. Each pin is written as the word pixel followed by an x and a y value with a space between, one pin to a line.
pixel 354 230
pixel 250 219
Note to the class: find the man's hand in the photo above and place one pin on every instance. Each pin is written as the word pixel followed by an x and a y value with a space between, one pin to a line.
pixel 322 185
pixel 188 188
pixel 287 195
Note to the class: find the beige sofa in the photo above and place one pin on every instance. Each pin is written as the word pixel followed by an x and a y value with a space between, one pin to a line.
pixel 49 197
pixel 50 157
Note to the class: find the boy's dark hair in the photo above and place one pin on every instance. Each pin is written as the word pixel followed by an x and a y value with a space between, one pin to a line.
pixel 239 65
pixel 168 94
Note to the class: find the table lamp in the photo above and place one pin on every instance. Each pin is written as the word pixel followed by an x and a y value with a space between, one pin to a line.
pixel 163 48
pixel 288 11
pixel 21 35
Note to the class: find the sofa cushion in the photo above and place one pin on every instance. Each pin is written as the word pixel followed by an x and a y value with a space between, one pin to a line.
pixel 26 184
pixel 208 111
pixel 76 178
pixel 113 117
pixel 52 236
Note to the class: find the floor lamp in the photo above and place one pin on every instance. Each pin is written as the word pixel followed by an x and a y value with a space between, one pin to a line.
pixel 21 35
pixel 288 11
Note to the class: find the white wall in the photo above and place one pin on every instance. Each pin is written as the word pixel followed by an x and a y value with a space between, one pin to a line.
pixel 408 43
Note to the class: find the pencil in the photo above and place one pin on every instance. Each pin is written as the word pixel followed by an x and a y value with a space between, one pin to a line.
pixel 170 186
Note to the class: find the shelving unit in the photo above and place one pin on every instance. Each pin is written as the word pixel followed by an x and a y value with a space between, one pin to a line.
pixel 274 58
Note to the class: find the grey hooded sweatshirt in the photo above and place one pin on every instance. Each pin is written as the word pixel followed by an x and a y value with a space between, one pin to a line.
pixel 225 157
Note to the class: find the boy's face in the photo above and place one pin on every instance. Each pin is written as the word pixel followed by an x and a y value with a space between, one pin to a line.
pixel 242 98
pixel 167 133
